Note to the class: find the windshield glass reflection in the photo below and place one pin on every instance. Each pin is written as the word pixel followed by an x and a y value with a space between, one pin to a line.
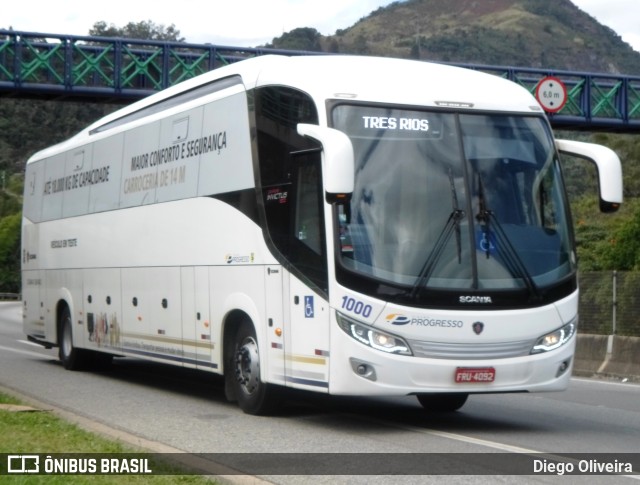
pixel 449 200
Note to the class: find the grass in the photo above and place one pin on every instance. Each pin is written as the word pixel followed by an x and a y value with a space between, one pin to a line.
pixel 34 432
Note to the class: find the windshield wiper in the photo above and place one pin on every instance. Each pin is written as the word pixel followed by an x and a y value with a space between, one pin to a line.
pixel 452 225
pixel 457 215
pixel 512 260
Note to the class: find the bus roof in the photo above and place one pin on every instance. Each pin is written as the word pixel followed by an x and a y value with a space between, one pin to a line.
pixel 398 81
pixel 355 78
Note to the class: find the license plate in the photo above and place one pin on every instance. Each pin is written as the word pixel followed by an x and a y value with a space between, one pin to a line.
pixel 475 374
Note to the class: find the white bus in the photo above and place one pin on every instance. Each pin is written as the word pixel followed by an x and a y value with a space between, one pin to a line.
pixel 344 225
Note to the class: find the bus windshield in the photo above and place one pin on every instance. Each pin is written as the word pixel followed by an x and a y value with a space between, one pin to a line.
pixel 450 201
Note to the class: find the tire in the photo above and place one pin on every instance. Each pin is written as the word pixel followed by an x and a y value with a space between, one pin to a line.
pixel 254 396
pixel 442 403
pixel 71 358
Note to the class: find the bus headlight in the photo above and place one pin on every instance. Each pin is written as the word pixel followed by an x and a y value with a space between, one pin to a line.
pixel 372 337
pixel 555 339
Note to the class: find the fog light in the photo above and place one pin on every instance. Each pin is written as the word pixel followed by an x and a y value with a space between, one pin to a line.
pixel 563 367
pixel 363 369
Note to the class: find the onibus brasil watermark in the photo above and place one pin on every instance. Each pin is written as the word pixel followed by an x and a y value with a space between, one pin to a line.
pixel 82 465
pixel 321 463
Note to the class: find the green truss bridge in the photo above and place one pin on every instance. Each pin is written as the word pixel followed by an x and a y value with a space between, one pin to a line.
pixel 99 69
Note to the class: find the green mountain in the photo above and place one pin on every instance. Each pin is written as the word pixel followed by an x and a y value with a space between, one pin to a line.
pixel 552 34
pixel 548 34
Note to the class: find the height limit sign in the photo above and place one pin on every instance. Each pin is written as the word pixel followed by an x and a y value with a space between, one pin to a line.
pixel 551 93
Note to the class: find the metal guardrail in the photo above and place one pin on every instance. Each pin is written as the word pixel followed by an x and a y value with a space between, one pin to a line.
pixel 610 303
pixel 116 69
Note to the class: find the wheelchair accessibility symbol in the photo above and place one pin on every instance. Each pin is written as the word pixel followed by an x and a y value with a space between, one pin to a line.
pixel 309 311
pixel 486 242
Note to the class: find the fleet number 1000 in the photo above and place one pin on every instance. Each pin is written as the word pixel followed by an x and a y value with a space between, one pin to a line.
pixel 357 307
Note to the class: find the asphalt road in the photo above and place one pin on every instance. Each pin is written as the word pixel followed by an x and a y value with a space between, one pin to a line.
pixel 179 409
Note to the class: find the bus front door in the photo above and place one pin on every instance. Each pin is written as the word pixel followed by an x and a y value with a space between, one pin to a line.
pixel 307 338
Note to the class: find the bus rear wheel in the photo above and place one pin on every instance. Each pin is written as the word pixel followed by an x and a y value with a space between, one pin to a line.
pixel 254 396
pixel 71 357
pixel 443 403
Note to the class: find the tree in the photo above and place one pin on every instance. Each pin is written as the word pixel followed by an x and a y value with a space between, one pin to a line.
pixel 302 39
pixel 623 252
pixel 10 253
pixel 27 126
pixel 145 30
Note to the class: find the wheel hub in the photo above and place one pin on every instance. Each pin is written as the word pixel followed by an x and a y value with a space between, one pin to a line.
pixel 247 366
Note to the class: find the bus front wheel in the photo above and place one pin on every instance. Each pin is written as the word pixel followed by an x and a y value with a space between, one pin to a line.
pixel 254 396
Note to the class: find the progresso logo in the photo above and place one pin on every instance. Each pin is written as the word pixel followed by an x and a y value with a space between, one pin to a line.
pixel 399 319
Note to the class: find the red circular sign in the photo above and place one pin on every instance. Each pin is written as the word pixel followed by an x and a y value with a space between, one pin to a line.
pixel 551 93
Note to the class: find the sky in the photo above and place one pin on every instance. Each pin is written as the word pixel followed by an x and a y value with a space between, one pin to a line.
pixel 247 23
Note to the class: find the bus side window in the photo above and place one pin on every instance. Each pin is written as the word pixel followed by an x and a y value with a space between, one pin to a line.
pixel 308 228
pixel 291 180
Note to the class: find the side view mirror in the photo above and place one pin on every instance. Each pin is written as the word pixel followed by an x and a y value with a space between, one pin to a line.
pixel 338 164
pixel 609 170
